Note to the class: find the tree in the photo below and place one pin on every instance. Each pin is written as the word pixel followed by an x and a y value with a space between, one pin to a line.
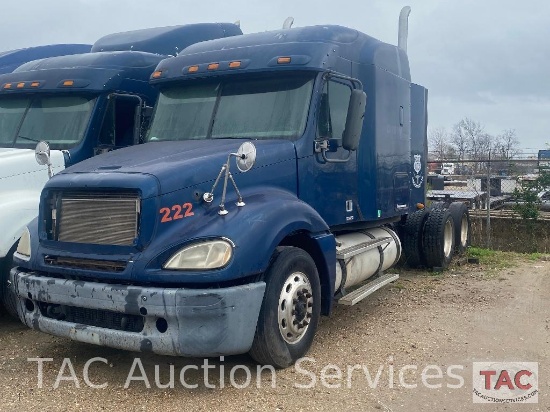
pixel 459 141
pixel 508 145
pixel 439 143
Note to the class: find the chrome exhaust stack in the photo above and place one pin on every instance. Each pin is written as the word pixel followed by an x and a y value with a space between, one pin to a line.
pixel 403 28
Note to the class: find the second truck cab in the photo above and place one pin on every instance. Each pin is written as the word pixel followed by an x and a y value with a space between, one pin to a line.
pixel 82 105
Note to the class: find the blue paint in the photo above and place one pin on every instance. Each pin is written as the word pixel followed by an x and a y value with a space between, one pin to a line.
pixel 119 63
pixel 292 195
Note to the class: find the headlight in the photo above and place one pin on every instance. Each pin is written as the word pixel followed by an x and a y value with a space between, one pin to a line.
pixel 207 255
pixel 24 246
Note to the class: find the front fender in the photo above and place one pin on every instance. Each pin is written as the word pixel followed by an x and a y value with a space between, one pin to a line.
pixel 256 230
pixel 16 212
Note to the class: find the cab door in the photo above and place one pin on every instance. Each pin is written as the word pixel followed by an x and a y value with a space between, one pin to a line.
pixel 330 183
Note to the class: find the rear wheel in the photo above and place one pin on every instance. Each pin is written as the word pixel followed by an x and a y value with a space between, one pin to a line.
pixel 411 238
pixel 438 238
pixel 461 220
pixel 290 311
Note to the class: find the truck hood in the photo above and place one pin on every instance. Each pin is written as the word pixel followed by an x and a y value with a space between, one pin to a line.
pixel 179 165
pixel 15 162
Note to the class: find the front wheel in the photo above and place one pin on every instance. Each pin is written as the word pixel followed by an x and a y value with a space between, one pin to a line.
pixel 290 311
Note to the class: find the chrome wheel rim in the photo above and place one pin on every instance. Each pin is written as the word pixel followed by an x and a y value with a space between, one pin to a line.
pixel 464 231
pixel 448 238
pixel 295 307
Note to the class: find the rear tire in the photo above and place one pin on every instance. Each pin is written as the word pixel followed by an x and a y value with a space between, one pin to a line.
pixel 290 311
pixel 411 238
pixel 461 220
pixel 438 238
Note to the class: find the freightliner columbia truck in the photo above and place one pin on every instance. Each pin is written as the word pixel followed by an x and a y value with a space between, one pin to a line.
pixel 82 105
pixel 282 172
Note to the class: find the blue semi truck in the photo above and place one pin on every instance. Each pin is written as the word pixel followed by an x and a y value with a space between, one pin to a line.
pixel 82 105
pixel 282 172
pixel 12 59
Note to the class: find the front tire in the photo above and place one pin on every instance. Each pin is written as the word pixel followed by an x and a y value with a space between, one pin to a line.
pixel 290 311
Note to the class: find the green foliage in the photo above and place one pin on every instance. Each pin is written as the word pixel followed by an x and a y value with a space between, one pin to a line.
pixel 527 199
pixel 493 260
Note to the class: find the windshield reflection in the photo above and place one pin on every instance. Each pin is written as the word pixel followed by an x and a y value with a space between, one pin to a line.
pixel 257 109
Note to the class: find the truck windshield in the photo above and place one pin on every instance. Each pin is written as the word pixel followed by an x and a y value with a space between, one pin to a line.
pixel 59 120
pixel 257 109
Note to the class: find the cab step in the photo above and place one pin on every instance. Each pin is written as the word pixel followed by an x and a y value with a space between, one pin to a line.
pixel 367 289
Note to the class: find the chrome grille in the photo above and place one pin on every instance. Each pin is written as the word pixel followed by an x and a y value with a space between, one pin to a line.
pixel 98 219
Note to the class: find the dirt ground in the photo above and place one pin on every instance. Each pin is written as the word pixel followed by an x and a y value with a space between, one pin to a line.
pixel 471 313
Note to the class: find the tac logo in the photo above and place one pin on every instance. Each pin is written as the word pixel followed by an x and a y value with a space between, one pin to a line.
pixel 505 382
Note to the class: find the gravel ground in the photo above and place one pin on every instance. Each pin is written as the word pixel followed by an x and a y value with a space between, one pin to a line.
pixel 469 313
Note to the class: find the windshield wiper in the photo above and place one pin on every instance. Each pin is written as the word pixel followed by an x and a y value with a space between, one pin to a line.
pixel 27 138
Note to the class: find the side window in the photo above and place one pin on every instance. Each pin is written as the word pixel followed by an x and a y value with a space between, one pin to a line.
pixel 333 110
pixel 118 124
pixel 107 134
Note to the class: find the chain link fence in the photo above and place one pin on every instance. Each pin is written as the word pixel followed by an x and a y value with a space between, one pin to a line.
pixel 509 200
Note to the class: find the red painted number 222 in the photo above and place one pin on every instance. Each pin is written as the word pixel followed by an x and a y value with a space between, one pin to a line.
pixel 168 216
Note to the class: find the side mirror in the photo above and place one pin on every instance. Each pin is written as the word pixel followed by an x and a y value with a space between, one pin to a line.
pixel 42 156
pixel 246 156
pixel 42 153
pixel 354 120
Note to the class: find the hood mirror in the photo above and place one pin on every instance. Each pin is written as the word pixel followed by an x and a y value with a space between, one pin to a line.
pixel 246 157
pixel 42 156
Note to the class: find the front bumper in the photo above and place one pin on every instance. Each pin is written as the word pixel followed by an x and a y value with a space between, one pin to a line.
pixel 205 322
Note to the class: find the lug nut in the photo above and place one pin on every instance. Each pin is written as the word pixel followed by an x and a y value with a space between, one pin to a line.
pixel 305 323
pixel 295 322
pixel 304 290
pixel 308 295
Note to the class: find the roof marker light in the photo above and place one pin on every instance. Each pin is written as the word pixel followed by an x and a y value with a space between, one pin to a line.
pixel 234 65
pixel 7 86
pixel 156 74
pixel 213 66
pixel 20 85
pixel 283 60
pixel 68 83
pixel 35 84
pixel 193 69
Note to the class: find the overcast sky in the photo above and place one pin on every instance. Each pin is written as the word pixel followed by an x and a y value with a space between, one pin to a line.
pixel 485 59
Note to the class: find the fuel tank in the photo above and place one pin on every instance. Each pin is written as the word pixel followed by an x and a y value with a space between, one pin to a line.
pixel 364 254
